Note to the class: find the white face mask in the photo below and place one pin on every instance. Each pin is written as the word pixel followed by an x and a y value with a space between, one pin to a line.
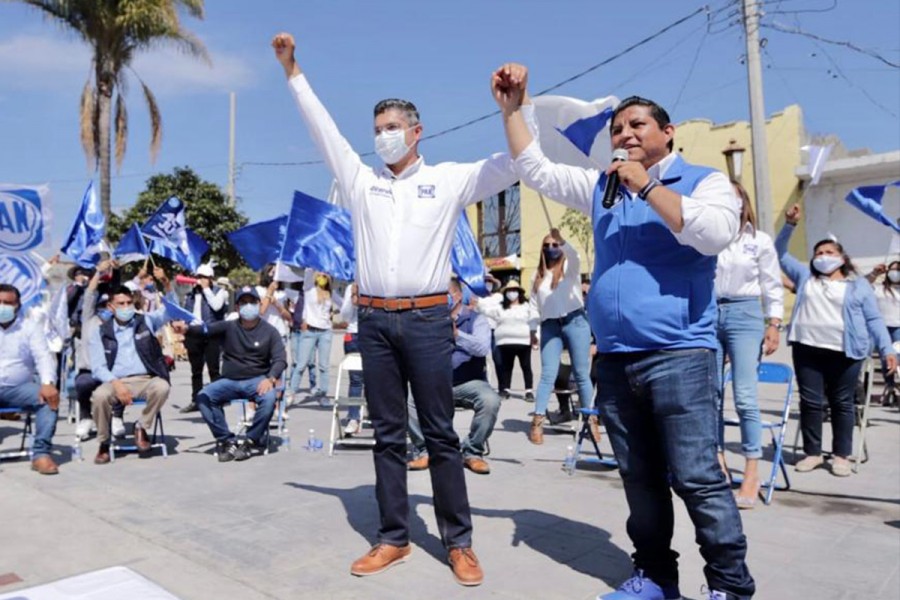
pixel 512 295
pixel 391 146
pixel 828 264
pixel 894 275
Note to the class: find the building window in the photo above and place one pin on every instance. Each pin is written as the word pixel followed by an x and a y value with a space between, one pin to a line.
pixel 500 224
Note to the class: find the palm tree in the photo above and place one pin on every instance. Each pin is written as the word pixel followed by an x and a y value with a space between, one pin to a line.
pixel 117 30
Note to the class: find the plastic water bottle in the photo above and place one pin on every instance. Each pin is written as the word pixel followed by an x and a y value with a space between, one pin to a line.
pixel 570 460
pixel 76 451
pixel 311 441
pixel 29 442
pixel 286 439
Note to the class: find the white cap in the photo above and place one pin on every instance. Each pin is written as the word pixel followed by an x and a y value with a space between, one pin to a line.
pixel 205 270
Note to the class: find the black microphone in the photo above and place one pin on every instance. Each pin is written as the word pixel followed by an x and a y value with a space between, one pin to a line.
pixel 611 193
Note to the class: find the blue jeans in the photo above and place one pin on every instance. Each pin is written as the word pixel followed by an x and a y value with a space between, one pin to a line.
pixel 319 341
pixel 575 331
pixel 222 391
pixel 402 350
pixel 297 368
pixel 26 397
pixel 894 332
pixel 740 331
pixel 351 345
pixel 659 409
pixel 477 395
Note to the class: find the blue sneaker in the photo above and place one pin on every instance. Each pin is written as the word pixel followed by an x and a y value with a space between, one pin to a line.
pixel 639 587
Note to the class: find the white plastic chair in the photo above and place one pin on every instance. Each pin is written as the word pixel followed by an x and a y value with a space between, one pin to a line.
pixel 350 363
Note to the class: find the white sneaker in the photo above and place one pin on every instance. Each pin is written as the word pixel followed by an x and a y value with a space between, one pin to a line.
pixel 248 416
pixel 352 427
pixel 84 428
pixel 118 427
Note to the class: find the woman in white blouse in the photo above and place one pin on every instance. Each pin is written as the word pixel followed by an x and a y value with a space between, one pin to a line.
pixel 834 323
pixel 888 297
pixel 556 294
pixel 515 335
pixel 746 271
pixel 316 334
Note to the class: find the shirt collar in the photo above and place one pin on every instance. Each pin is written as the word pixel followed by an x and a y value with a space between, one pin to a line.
pixel 659 170
pixel 407 172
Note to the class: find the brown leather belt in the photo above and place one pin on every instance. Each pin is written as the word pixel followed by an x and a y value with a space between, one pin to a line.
pixel 408 303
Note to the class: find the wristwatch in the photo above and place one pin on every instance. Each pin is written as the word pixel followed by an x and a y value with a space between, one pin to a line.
pixel 779 326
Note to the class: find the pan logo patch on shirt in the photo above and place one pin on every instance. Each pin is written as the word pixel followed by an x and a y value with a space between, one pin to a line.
pixel 426 191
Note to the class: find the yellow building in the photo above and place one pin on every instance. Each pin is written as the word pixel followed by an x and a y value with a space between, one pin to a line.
pixel 515 222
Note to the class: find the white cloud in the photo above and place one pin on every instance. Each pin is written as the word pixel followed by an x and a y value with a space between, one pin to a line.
pixel 39 62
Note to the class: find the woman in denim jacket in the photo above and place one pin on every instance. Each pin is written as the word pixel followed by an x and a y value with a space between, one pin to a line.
pixel 834 319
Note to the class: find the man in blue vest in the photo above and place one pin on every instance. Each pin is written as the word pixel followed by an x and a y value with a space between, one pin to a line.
pixel 209 303
pixel 127 358
pixel 652 308
pixel 471 390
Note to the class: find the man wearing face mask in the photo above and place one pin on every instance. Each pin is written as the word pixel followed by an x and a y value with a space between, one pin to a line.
pixel 209 303
pixel 128 361
pixel 404 216
pixel 253 358
pixel 24 349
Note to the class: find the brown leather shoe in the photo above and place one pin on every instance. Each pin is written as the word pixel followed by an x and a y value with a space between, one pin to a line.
pixel 380 558
pixel 140 438
pixel 419 464
pixel 536 435
pixel 476 464
pixel 102 455
pixel 44 465
pixel 465 566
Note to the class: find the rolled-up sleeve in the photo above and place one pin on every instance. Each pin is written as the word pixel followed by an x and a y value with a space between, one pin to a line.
pixel 711 216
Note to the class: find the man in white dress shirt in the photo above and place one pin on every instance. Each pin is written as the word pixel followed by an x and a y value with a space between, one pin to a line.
pixel 24 350
pixel 404 215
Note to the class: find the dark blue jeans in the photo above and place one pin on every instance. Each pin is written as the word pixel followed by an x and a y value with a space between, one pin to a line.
pixel 402 349
pixel 659 409
pixel 222 391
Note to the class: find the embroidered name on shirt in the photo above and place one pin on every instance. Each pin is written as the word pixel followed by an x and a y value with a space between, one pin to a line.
pixel 380 191
pixel 750 249
pixel 426 191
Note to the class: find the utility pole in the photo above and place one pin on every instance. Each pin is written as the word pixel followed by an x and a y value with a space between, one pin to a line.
pixel 762 188
pixel 231 197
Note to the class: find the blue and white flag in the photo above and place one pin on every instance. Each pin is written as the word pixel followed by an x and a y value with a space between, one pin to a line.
pixel 575 132
pixel 170 237
pixel 176 313
pixel 868 198
pixel 57 326
pixel 319 235
pixel 132 246
pixel 24 272
pixel 260 243
pixel 85 240
pixel 465 257
pixel 24 218
pixel 817 157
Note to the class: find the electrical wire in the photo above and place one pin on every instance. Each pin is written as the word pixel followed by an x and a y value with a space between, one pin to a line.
pixel 797 31
pixel 690 72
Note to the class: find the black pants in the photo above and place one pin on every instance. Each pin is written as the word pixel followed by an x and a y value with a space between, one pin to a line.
pixel 403 349
pixel 826 376
pixel 202 350
pixel 508 355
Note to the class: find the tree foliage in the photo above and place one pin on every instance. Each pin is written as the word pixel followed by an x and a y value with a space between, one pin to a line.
pixel 207 212
pixel 579 225
pixel 116 31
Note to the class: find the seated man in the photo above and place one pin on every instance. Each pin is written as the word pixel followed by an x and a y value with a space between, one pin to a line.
pixel 23 348
pixel 126 358
pixel 472 335
pixel 253 358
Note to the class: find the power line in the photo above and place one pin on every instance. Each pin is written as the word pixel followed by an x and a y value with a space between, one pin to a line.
pixel 797 31
pixel 690 72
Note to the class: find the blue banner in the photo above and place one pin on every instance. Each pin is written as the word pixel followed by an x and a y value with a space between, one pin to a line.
pixel 24 272
pixel 23 218
pixel 132 246
pixel 868 198
pixel 176 313
pixel 191 258
pixel 85 240
pixel 319 235
pixel 260 243
pixel 465 257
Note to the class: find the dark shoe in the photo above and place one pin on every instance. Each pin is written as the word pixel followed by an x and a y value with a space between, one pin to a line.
pixel 529 397
pixel 225 451
pixel 102 455
pixel 476 464
pixel 192 407
pixel 242 450
pixel 465 566
pixel 558 418
pixel 140 438
pixel 418 464
pixel 504 395
pixel 380 558
pixel 44 465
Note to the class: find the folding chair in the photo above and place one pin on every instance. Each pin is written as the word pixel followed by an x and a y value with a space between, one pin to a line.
pixel 773 373
pixel 350 363
pixel 586 434
pixel 280 408
pixel 27 435
pixel 862 412
pixel 158 434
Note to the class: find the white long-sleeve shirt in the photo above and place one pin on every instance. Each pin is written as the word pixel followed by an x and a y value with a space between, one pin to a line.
pixel 556 303
pixel 403 225
pixel 216 300
pixel 349 312
pixel 317 313
pixel 889 305
pixel 711 213
pixel 748 268
pixel 24 350
pixel 514 324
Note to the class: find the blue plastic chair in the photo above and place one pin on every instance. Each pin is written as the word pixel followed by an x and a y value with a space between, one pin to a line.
pixel 773 373
pixel 157 439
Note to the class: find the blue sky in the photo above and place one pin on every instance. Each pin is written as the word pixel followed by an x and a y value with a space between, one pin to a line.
pixel 439 54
